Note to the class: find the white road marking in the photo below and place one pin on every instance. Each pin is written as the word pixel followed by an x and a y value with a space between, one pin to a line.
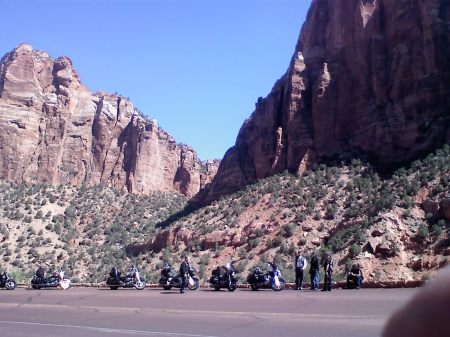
pixel 106 330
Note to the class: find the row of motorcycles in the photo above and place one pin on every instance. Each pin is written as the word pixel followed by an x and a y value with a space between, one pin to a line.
pixel 223 277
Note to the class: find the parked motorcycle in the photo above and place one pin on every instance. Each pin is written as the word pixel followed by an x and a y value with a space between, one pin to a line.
pixel 57 279
pixel 170 278
pixel 271 280
pixel 7 282
pixel 224 277
pixel 131 280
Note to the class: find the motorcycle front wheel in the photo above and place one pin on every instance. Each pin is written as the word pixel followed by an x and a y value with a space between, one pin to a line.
pixel 167 287
pixel 254 286
pixel 64 284
pixel 194 284
pixel 140 285
pixel 280 286
pixel 10 285
pixel 113 287
pixel 232 287
pixel 35 286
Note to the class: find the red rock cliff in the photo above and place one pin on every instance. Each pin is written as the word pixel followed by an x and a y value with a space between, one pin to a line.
pixel 368 78
pixel 55 131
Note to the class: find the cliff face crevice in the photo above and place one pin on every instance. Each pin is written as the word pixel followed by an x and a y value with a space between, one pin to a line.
pixel 56 131
pixel 368 78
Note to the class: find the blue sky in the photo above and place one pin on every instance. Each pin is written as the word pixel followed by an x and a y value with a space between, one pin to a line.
pixel 197 66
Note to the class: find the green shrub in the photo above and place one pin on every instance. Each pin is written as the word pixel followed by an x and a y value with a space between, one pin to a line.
pixel 331 211
pixel 354 250
pixel 436 229
pixel 302 241
pixel 422 232
pixel 253 243
pixel 288 230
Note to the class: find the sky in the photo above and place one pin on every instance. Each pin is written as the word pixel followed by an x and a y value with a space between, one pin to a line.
pixel 196 66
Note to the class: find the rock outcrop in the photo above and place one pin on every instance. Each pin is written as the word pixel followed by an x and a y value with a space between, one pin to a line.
pixel 369 78
pixel 55 131
pixel 445 208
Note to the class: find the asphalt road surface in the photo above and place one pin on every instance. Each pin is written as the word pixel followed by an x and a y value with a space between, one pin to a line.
pixel 91 312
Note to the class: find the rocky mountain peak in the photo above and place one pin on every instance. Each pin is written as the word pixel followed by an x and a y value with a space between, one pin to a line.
pixel 56 131
pixel 368 78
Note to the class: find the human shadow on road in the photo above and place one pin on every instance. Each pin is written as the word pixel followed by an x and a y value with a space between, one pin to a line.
pixel 117 290
pixel 170 293
pixel 224 290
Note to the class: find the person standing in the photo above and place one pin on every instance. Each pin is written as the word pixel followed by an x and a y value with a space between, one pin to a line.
pixel 314 271
pixel 40 272
pixel 328 266
pixel 300 265
pixel 184 273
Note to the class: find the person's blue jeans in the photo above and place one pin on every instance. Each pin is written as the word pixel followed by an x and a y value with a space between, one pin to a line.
pixel 354 281
pixel 358 281
pixel 315 280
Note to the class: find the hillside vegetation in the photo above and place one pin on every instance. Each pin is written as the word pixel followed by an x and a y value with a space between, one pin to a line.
pixel 396 227
pixel 83 230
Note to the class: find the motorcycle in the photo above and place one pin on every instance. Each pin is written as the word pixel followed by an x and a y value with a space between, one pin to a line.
pixel 7 282
pixel 271 280
pixel 169 278
pixel 57 279
pixel 131 280
pixel 224 277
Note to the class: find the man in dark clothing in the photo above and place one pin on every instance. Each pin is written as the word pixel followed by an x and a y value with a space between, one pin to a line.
pixel 184 270
pixel 115 274
pixel 314 271
pixel 40 272
pixel 299 265
pixel 328 266
pixel 354 277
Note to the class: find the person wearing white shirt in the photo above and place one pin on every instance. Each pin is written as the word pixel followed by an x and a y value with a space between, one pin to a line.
pixel 300 265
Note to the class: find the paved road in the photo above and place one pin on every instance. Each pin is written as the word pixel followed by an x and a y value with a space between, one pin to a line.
pixel 89 312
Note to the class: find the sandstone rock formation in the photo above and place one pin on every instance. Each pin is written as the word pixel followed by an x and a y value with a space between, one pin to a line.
pixel 368 78
pixel 445 208
pixel 55 131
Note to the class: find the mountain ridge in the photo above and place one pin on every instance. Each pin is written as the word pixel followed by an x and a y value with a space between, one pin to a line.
pixel 367 79
pixel 58 132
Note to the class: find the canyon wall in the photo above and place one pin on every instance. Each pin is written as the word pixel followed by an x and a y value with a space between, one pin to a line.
pixel 55 131
pixel 368 79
